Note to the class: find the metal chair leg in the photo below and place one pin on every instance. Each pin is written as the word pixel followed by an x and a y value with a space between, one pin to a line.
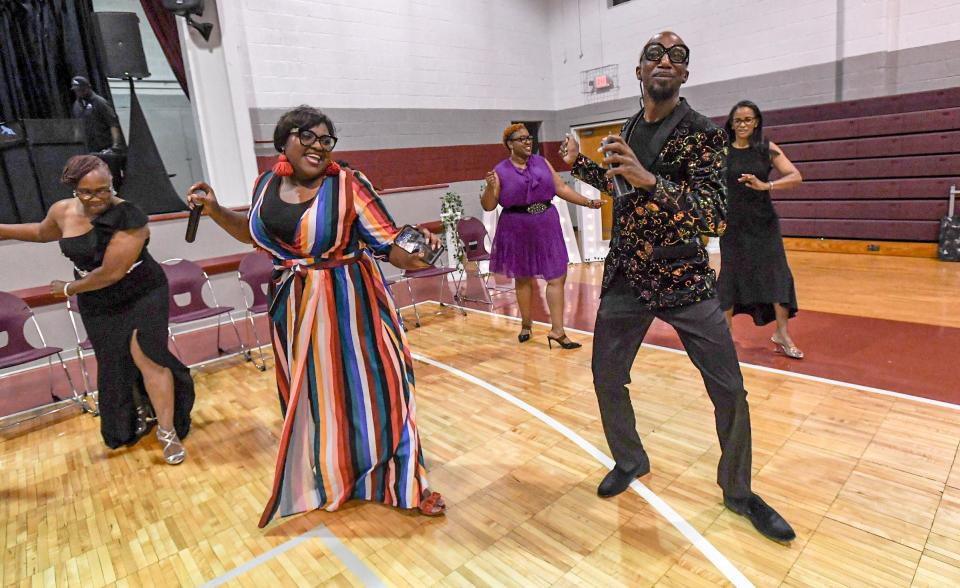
pixel 213 296
pixel 88 388
pixel 175 346
pixel 243 348
pixel 83 370
pixel 444 285
pixel 483 284
pixel 487 299
pixel 73 387
pixel 413 300
pixel 77 398
pixel 219 347
pixel 262 366
pixel 50 379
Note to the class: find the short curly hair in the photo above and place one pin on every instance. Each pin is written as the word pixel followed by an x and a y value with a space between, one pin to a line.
pixel 301 117
pixel 79 166
pixel 509 131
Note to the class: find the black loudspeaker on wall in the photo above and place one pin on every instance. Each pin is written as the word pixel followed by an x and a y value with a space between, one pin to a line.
pixel 188 9
pixel 184 7
pixel 122 46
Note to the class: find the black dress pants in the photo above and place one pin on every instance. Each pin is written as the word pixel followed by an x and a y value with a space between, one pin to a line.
pixel 622 323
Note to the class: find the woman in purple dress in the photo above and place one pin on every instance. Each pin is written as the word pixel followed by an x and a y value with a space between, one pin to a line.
pixel 529 241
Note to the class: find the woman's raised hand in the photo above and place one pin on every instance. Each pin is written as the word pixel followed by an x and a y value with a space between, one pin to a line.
pixel 753 182
pixel 201 193
pixel 493 180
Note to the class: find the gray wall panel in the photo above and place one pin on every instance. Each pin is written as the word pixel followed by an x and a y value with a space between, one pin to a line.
pixel 865 76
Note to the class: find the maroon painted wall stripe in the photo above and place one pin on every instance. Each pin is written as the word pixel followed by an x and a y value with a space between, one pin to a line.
pixel 418 166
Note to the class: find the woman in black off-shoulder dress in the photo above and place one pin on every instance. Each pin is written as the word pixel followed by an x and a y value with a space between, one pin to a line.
pixel 122 296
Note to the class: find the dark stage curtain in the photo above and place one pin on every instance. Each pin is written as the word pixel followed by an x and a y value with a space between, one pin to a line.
pixel 44 43
pixel 146 182
pixel 164 25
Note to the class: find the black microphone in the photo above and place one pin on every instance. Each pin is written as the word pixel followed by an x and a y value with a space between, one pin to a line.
pixel 194 221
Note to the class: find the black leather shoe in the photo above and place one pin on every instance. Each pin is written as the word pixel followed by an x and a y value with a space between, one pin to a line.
pixel 766 520
pixel 619 479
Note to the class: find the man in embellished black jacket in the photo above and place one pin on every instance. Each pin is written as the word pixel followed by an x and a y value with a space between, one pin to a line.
pixel 673 160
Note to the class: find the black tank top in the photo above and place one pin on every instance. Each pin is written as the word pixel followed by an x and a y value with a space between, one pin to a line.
pixel 281 218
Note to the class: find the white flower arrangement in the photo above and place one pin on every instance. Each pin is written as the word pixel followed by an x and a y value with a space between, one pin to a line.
pixel 451 211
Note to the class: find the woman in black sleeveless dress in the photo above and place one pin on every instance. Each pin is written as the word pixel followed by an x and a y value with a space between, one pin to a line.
pixel 754 276
pixel 122 295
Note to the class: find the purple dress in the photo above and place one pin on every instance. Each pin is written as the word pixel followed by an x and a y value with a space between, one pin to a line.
pixel 528 245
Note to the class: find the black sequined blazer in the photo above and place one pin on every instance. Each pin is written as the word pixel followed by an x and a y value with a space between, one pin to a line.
pixel 655 242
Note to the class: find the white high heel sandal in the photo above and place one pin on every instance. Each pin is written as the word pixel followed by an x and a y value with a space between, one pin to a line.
pixel 173 450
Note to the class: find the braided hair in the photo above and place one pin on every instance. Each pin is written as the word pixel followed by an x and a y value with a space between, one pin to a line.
pixel 79 166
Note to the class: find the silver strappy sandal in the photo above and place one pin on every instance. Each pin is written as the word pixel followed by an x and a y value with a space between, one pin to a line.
pixel 173 450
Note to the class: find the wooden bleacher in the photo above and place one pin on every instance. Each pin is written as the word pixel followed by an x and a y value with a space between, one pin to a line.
pixel 876 169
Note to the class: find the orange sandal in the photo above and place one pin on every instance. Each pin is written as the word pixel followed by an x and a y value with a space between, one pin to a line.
pixel 433 505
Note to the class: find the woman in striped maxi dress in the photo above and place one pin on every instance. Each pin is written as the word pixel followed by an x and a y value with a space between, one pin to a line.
pixel 343 366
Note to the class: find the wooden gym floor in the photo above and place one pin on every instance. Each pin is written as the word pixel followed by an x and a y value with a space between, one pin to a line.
pixel 512 437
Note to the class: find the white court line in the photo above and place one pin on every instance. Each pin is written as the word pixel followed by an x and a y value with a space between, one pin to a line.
pixel 351 561
pixel 762 368
pixel 326 536
pixel 367 576
pixel 665 510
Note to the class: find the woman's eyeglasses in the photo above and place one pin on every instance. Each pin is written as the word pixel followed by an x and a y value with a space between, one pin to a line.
pixel 308 138
pixel 743 122
pixel 527 139
pixel 91 194
pixel 677 54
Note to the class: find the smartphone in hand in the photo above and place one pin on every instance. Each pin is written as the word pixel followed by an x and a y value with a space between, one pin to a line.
pixel 412 241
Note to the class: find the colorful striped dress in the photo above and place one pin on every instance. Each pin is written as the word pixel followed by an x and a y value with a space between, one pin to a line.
pixel 344 370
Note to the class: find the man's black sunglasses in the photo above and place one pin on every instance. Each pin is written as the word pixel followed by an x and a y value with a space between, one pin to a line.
pixel 677 54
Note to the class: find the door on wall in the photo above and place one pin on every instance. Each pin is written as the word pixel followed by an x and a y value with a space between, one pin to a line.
pixel 589 138
pixel 534 127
